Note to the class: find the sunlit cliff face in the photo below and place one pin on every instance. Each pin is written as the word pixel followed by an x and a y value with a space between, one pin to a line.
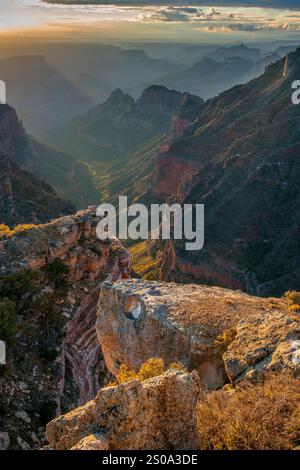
pixel 150 21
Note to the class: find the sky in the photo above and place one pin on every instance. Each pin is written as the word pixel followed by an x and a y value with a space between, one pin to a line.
pixel 188 21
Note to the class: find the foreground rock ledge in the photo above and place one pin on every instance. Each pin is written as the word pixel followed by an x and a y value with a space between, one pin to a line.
pixel 159 413
pixel 140 319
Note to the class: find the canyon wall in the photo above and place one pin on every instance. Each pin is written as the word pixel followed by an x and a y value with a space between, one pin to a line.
pixel 53 274
pixel 239 157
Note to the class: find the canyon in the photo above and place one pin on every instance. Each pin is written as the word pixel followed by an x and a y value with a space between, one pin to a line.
pixel 114 128
pixel 73 313
pixel 37 182
pixel 240 159
pixel 23 196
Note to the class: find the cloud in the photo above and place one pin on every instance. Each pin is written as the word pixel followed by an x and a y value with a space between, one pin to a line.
pixel 252 27
pixel 178 14
pixel 190 16
pixel 221 3
pixel 220 19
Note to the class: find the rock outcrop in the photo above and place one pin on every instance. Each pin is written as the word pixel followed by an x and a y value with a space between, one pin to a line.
pixel 55 361
pixel 159 414
pixel 264 343
pixel 73 240
pixel 138 320
pixel 159 99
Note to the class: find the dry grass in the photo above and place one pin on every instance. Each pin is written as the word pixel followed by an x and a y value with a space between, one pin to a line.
pixel 264 416
pixel 294 308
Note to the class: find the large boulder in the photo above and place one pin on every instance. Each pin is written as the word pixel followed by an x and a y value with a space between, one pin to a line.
pixel 159 413
pixel 138 320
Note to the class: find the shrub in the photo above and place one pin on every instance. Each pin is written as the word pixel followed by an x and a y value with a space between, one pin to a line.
pixel 125 375
pixel 8 325
pixel 292 297
pixel 19 288
pixel 21 228
pixel 223 341
pixel 151 368
pixel 294 308
pixel 5 230
pixel 57 273
pixel 264 416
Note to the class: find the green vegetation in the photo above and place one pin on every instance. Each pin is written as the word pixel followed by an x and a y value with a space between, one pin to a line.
pixel 8 325
pixel 16 293
pixel 126 174
pixel 57 273
pixel 20 295
pixel 19 288
pixel 144 261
